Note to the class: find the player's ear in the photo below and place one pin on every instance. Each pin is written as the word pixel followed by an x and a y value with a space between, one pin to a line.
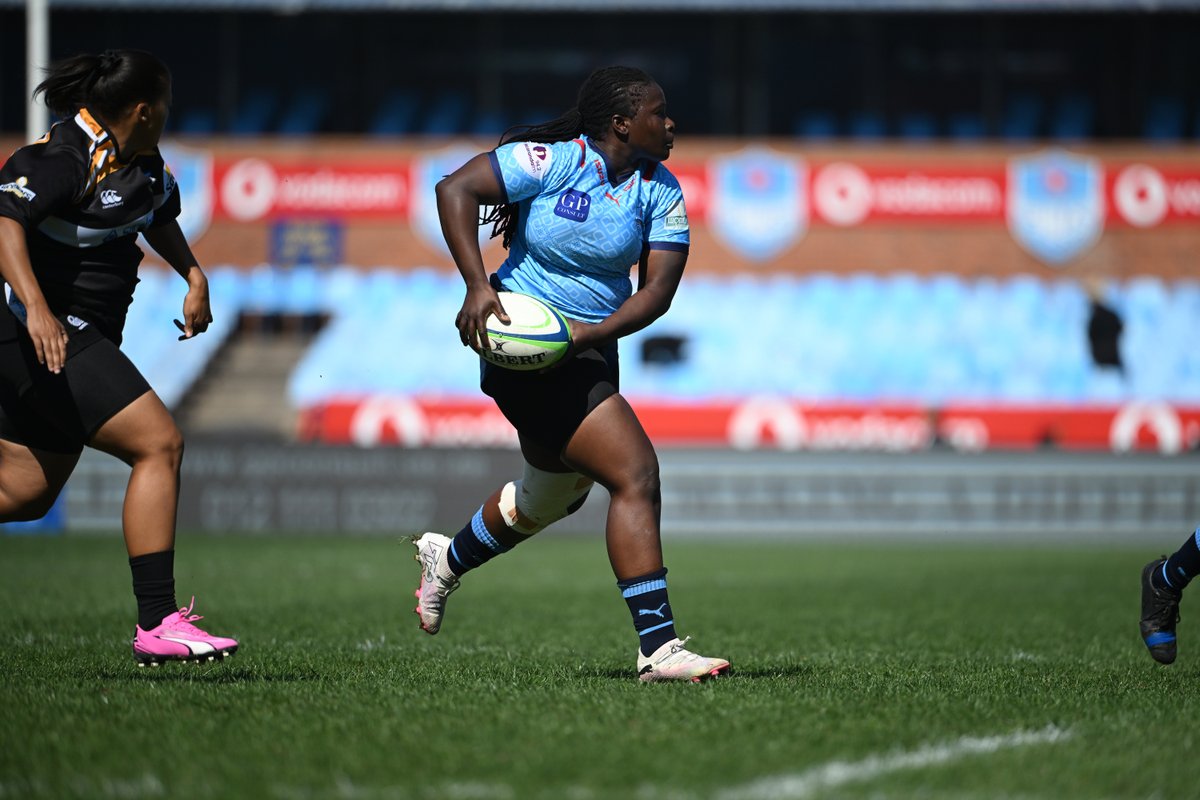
pixel 142 112
pixel 620 124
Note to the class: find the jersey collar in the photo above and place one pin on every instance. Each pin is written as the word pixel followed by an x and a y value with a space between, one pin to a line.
pixel 606 169
pixel 99 134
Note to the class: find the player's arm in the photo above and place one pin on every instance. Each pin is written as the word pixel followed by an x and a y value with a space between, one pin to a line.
pixel 459 197
pixel 659 273
pixel 169 242
pixel 48 335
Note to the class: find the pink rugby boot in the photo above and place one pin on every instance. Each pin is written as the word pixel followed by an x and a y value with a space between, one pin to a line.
pixel 177 639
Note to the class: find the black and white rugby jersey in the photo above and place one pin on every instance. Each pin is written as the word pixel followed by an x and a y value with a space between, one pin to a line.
pixel 82 206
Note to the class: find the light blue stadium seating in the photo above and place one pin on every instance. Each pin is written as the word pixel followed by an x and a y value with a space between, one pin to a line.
pixel 818 336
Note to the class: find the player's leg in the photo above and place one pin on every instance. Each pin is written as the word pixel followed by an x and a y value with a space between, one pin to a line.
pixel 126 419
pixel 1163 582
pixel 31 480
pixel 545 493
pixel 36 455
pixel 611 447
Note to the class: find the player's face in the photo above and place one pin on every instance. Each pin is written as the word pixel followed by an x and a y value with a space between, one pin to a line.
pixel 651 131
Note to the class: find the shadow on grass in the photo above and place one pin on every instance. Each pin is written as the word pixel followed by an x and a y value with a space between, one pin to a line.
pixel 759 672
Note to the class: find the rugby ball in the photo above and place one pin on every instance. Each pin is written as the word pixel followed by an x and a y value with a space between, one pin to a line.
pixel 537 337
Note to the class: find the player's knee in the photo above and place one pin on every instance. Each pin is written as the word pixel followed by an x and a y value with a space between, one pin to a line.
pixel 167 446
pixel 641 481
pixel 542 498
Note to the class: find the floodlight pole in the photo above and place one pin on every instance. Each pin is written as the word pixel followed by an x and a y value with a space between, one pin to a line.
pixel 37 56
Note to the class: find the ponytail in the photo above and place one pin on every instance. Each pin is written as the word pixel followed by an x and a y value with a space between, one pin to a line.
pixel 108 83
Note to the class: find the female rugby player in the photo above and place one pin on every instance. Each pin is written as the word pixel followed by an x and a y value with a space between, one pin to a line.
pixel 579 200
pixel 71 207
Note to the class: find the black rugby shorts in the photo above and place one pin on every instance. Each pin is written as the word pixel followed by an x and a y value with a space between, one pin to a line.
pixel 547 407
pixel 60 413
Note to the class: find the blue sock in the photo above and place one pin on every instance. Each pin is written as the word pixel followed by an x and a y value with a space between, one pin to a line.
pixel 473 546
pixel 1181 567
pixel 647 599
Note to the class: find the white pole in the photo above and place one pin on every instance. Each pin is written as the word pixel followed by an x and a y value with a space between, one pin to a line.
pixel 37 58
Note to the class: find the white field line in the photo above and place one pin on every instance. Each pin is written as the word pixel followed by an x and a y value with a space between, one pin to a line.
pixel 839 773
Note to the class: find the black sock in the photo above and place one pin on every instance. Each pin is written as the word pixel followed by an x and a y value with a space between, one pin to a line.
pixel 154 587
pixel 1181 567
pixel 646 596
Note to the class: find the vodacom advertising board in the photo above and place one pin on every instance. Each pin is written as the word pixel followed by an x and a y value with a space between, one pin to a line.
pixel 762 206
pixel 779 424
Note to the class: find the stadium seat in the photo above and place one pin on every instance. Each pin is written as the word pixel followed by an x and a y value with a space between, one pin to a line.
pixel 966 126
pixel 397 115
pixel 1022 117
pixel 1164 119
pixel 1072 118
pixel 918 126
pixel 254 113
pixel 491 123
pixel 305 113
pixel 867 125
pixel 447 115
pixel 195 122
pixel 815 125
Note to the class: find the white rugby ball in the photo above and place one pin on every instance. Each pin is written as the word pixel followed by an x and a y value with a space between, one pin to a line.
pixel 537 337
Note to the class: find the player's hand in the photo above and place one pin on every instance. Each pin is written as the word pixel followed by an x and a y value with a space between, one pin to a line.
pixel 583 336
pixel 197 314
pixel 49 337
pixel 480 303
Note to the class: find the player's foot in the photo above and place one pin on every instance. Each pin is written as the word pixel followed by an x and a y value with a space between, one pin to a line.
pixel 437 581
pixel 674 662
pixel 177 639
pixel 1160 612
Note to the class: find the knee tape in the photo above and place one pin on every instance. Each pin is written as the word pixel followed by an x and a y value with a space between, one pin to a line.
pixel 541 498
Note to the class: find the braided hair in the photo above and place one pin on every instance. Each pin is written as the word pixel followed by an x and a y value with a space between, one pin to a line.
pixel 108 83
pixel 607 91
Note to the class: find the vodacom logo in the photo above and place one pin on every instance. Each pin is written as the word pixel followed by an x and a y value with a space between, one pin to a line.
pixel 751 420
pixel 843 193
pixel 249 189
pixel 1159 418
pixel 375 415
pixel 1140 194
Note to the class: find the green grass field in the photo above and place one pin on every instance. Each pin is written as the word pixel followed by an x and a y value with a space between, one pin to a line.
pixel 888 671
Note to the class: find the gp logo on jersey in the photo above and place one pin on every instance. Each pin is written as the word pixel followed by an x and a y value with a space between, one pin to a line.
pixel 759 206
pixel 573 205
pixel 1056 204
pixel 191 174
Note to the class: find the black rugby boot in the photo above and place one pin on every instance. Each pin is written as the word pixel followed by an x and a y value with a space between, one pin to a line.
pixel 1160 612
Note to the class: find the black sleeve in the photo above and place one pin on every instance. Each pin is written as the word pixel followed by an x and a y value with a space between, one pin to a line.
pixel 169 210
pixel 37 181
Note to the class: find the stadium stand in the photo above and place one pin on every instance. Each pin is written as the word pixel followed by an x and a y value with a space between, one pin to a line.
pixel 857 337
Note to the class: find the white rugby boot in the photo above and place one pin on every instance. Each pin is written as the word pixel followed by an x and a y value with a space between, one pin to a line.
pixel 437 581
pixel 674 662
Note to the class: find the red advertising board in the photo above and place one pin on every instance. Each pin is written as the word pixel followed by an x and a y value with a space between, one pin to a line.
pixel 779 423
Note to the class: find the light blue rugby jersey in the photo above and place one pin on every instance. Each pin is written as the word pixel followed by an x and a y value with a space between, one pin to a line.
pixel 578 236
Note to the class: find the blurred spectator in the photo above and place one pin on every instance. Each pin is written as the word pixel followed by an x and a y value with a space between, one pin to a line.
pixel 1104 329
